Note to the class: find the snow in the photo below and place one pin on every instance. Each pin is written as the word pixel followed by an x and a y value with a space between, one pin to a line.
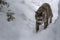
pixel 23 26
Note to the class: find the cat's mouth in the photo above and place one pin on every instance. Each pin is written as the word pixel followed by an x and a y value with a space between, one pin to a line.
pixel 40 22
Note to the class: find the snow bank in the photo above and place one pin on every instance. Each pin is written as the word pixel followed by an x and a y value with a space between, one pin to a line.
pixel 34 5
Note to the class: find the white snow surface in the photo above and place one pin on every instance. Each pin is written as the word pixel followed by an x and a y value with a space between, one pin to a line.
pixel 23 26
